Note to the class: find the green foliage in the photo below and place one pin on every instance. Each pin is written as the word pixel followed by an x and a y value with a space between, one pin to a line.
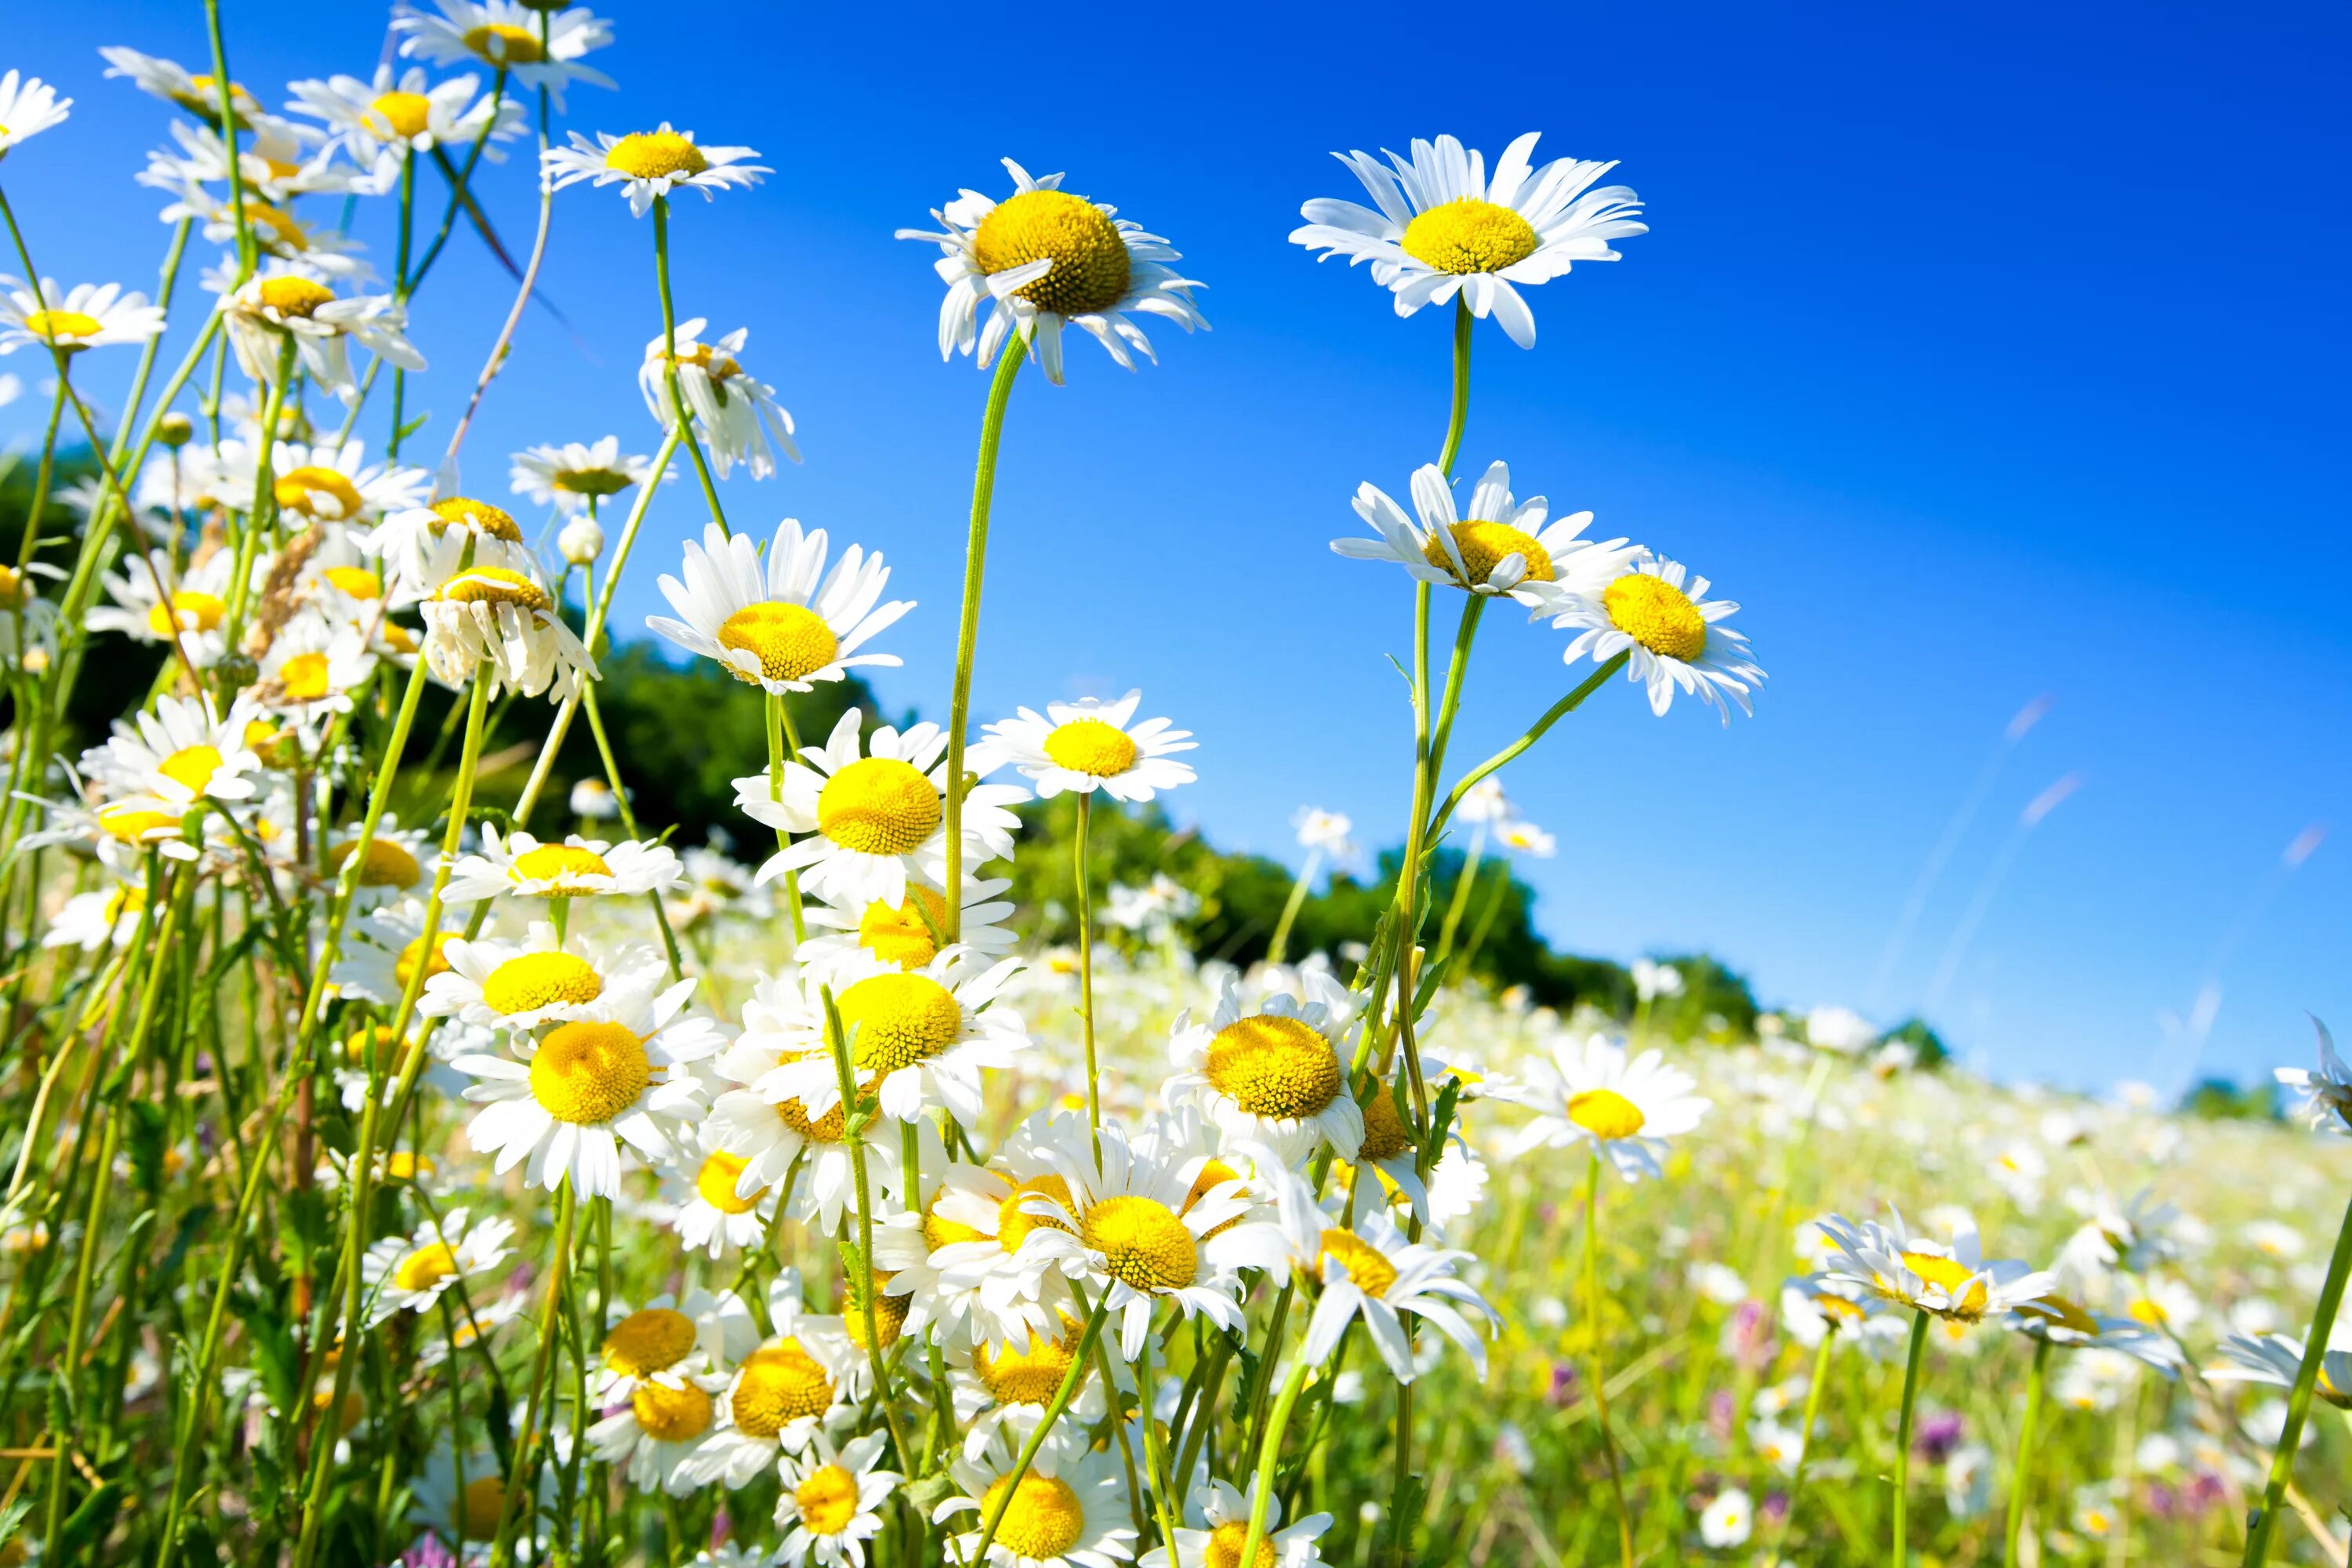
pixel 2223 1100
pixel 1914 1032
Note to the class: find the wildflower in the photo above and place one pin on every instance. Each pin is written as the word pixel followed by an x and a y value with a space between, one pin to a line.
pixel 1046 260
pixel 849 937
pixel 502 619
pixel 569 476
pixel 2061 1320
pixel 782 1395
pixel 1276 1076
pixel 1322 830
pixel 520 866
pixel 581 542
pixel 1626 1106
pixel 283 305
pixel 387 946
pixel 831 1500
pixel 962 1259
pixel 2277 1360
pixel 670 1338
pixel 1655 611
pixel 459 1498
pixel 659 1431
pixel 2327 1092
pixel 162 763
pixel 172 82
pixel 737 412
pixel 28 105
pixel 1219 1516
pixel 785 624
pixel 311 669
pixel 711 1215
pixel 383 120
pixel 505 985
pixel 1504 547
pixel 535 45
pixel 649 164
pixel 1726 1523
pixel 1443 228
pixel 324 482
pixel 1948 1280
pixel 86 316
pixel 150 602
pixel 1369 1271
pixel 1070 1510
pixel 1080 747
pixel 408 1274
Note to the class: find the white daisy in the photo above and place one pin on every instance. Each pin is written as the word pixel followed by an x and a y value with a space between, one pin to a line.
pixel 1003 1381
pixel 1070 1510
pixel 323 482
pixel 2327 1093
pixel 356 1075
pixel 423 547
pixel 1047 259
pixel 1278 1074
pixel 709 1215
pixel 1390 1149
pixel 396 114
pixel 736 412
pixel 311 669
pixel 1655 611
pixel 506 985
pixel 86 316
pixel 668 1338
pixel 28 623
pixel 649 164
pixel 277 162
pixel 832 1501
pixel 150 602
pixel 2062 1320
pixel 918 1038
pixel 962 1260
pixel 535 45
pixel 503 619
pixel 1445 228
pixel 2277 1360
pixel 782 1395
pixel 520 866
pixel 177 755
pixel 569 476
pixel 385 947
pixel 659 1430
pixel 461 1499
pixel 1087 745
pixel 785 624
pixel 1219 1516
pixel 408 1274
pixel 28 105
pixel 1625 1106
pixel 269 309
pixel 847 939
pixel 1504 547
pixel 106 916
pixel 1947 1279
pixel 172 82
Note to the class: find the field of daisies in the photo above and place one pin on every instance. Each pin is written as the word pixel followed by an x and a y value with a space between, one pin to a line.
pixel 394 1177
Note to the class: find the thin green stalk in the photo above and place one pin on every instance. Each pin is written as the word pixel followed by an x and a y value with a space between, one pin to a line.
pixel 2263 1523
pixel 41 475
pixel 1269 1449
pixel 2021 1475
pixel 1804 1444
pixel 1900 1558
pixel 225 88
pixel 1155 1472
pixel 1593 1316
pixel 669 348
pixel 264 512
pixel 1084 882
pixel 1452 924
pixel 559 1266
pixel 1535 731
pixel 862 1285
pixel 1279 943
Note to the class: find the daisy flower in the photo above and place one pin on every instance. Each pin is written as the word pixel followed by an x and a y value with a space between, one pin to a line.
pixel 832 1501
pixel 1086 745
pixel 1002 1382
pixel 1504 547
pixel 872 822
pixel 736 411
pixel 271 309
pixel 27 621
pixel 151 603
pixel 848 940
pixel 962 1259
pixel 176 757
pixel 710 1215
pixel 275 163
pixel 649 164
pixel 1368 1271
pixel 1069 1511
pixel 535 45
pixel 104 917
pixel 506 985
pixel 172 82
pixel 1219 1518
pixel 386 947
pixel 2061 1320
pixel 460 1499
pixel 324 482
pixel 408 1274
pixel 86 316
pixel 520 866
pixel 1627 1107
pixel 1390 1149
pixel 1443 228
pixel 2277 1360
pixel 312 668
pixel 570 477
pixel 396 114
pixel 785 624
pixel 1949 1280
pixel 780 1395
pixel 1046 260
pixel 1276 1076
pixel 668 1338
pixel 355 1079
pixel 659 1431
pixel 2327 1091
pixel 567 1100
pixel 1655 611
pixel 502 619
pixel 28 105
pixel 425 546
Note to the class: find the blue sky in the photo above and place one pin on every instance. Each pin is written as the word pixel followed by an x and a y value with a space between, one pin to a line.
pixel 1983 353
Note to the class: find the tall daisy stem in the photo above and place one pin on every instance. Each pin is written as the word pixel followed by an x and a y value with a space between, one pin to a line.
pixel 1080 1359
pixel 861 1283
pixel 559 1264
pixel 2021 1475
pixel 975 562
pixel 1592 1319
pixel 669 348
pixel 1280 942
pixel 1085 881
pixel 2265 1523
pixel 1899 1557
pixel 1804 1445
pixel 1270 1450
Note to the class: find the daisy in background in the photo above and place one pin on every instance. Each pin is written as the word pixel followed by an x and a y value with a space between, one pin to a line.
pixel 28 105
pixel 1046 260
pixel 86 316
pixel 737 412
pixel 872 824
pixel 2327 1093
pixel 782 1395
pixel 1626 1106
pixel 2061 1320
pixel 708 1213
pixel 107 915
pixel 832 1501
pixel 2276 1360
pixel 1503 547
pixel 383 120
pixel 503 619
pixel 153 602
pixel 535 45
pixel 1080 747
pixel 269 309
pixel 1949 1280
pixel 1276 1076
pixel 323 481
pixel 520 866
pixel 784 623
pixel 168 760
pixel 408 1274
pixel 172 82
pixel 649 164
pixel 1070 1510
pixel 1657 612
pixel 1003 1382
pixel 572 478
pixel 311 669
pixel 387 946
pixel 277 161
pixel 1443 228
pixel 962 1260
pixel 1218 1517
pixel 847 939
pixel 669 1337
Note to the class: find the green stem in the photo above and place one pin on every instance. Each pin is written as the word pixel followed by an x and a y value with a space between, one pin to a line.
pixel 1155 1472
pixel 2265 1523
pixel 1804 1444
pixel 1452 925
pixel 1269 1449
pixel 2021 1474
pixel 559 1266
pixel 861 1289
pixel 1900 1557
pixel 669 348
pixel 1086 969
pixel 1535 731
pixel 1460 417
pixel 1280 942
pixel 1593 1316
pixel 223 88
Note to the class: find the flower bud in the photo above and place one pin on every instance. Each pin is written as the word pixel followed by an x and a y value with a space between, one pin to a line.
pixel 176 429
pixel 581 540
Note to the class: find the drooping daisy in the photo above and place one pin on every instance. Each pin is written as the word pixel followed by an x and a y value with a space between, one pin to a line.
pixel 28 105
pixel 396 114
pixel 831 1500
pixel 649 164
pixel 710 1215
pixel 1046 260
pixel 876 819
pixel 569 476
pixel 1950 1279
pixel 269 309
pixel 1070 1510
pixel 423 547
pixel 520 866
pixel 505 985
pixel 1219 1518
pixel 668 1338
pixel 503 619
pixel 1368 1271
pixel 2277 1360
pixel 918 1038
pixel 535 45
pixel 1655 611
pixel 1626 1106
pixel 659 1431
pixel 172 82
pixel 1087 745
pixel 86 316
pixel 408 1274
pixel 150 602
pixel 2327 1093
pixel 1443 228
pixel 736 412
pixel 2062 1320
pixel 566 1100
pixel 1279 1074
pixel 784 623
pixel 1503 546
pixel 847 939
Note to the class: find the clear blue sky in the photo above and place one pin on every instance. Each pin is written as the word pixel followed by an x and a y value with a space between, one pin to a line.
pixel 1981 351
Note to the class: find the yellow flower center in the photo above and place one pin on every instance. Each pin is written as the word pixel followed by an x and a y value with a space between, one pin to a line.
pixel 1482 547
pixel 649 1340
pixel 14 590
pixel 670 1415
pixel 651 155
pixel 1657 614
pixel 1468 234
pixel 305 678
pixel 1272 1065
pixel 1225 1544
pixel 897 1020
pixel 493 585
pixel 1367 1268
pixel 589 1073
pixel 559 863
pixel 1953 1278
pixel 428 950
pixel 189 611
pixel 530 981
pixel 1090 262
pixel 321 492
pixel 387 864
pixel 202 100
pixel 792 642
pixel 878 805
pixel 1143 1244
pixel 1605 1114
pixel 480 516
pixel 1043 1519
pixel 192 767
pixel 1092 747
pixel 480 1504
pixel 1213 1174
pixel 356 581
pixel 426 1267
pixel 902 935
pixel 382 1041
pixel 826 1501
pixel 1028 1376
pixel 1384 1134
pixel 405 114
pixel 58 326
pixel 940 1231
pixel 889 1316
pixel 719 367
pixel 1014 1224
pixel 715 1184
pixel 283 227
pixel 131 824
pixel 294 295
pixel 504 43
pixel 780 1382
pixel 833 1127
